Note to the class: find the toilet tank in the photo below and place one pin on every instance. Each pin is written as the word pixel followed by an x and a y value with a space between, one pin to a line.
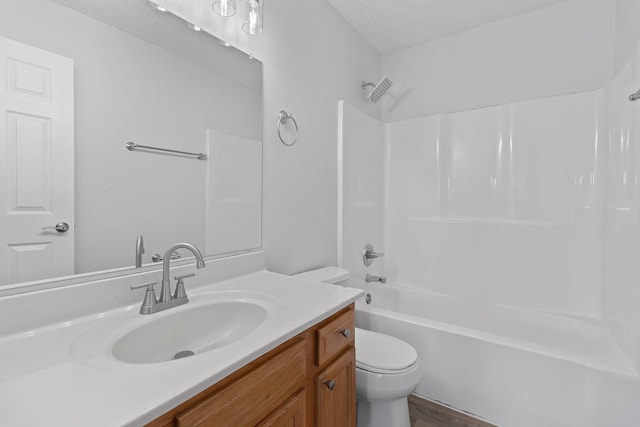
pixel 334 275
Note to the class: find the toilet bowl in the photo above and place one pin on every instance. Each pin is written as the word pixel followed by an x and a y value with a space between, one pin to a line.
pixel 387 368
pixel 387 371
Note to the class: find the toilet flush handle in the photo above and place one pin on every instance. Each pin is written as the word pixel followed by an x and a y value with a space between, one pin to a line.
pixel 331 384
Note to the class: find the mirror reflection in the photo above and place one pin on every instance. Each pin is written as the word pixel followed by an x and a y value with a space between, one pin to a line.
pixel 81 79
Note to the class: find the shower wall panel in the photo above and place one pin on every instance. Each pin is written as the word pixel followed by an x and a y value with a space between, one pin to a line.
pixel 622 216
pixel 361 188
pixel 501 204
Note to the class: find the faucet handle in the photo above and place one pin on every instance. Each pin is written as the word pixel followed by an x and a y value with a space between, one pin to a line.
pixel 369 254
pixel 149 296
pixel 180 292
pixel 158 257
pixel 148 285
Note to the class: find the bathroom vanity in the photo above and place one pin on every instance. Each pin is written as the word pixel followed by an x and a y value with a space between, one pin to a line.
pixel 307 381
pixel 269 350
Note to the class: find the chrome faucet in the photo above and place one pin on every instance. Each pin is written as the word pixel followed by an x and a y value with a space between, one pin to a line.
pixel 371 278
pixel 151 304
pixel 139 251
pixel 165 289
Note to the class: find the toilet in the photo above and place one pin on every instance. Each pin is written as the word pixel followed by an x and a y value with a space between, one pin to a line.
pixel 387 368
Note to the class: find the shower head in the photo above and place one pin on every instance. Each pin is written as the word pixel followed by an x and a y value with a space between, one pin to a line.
pixel 378 90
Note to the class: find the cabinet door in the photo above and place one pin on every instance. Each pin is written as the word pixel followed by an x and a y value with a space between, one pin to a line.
pixel 336 392
pixel 291 414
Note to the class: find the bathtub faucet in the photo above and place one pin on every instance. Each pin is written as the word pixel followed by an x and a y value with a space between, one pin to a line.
pixel 371 278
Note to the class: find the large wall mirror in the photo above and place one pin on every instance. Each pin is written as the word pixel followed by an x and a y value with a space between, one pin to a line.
pixel 83 78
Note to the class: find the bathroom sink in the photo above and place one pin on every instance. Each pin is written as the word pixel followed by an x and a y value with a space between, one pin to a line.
pixel 193 330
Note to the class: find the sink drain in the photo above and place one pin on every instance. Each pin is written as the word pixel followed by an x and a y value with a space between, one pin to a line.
pixel 182 354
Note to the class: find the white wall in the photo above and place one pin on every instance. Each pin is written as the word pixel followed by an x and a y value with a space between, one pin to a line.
pixel 561 49
pixel 312 58
pixel 123 88
pixel 627 31
pixel 622 213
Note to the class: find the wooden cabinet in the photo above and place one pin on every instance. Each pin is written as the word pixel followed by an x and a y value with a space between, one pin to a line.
pixel 334 336
pixel 307 381
pixel 291 414
pixel 247 400
pixel 336 392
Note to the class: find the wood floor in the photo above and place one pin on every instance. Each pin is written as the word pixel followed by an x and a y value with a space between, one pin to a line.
pixel 425 413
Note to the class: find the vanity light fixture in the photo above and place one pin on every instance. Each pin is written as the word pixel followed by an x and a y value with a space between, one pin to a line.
pixel 157 7
pixel 224 8
pixel 251 13
pixel 253 17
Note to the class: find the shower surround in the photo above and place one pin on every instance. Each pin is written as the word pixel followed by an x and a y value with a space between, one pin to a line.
pixel 528 207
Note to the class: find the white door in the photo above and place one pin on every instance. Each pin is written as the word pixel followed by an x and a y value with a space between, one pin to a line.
pixel 36 163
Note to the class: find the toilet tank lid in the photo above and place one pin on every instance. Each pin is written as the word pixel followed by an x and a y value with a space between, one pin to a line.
pixel 326 275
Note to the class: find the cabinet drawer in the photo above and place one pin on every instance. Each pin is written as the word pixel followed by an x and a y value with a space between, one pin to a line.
pixel 291 414
pixel 245 401
pixel 335 336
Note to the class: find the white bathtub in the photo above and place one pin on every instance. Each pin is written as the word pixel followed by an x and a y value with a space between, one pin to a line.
pixel 510 366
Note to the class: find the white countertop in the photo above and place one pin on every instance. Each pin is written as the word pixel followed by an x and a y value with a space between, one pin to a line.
pixel 65 375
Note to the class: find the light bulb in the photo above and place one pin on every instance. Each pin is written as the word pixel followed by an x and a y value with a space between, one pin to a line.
pixel 253 20
pixel 224 8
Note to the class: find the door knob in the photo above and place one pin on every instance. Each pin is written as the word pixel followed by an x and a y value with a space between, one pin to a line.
pixel 61 227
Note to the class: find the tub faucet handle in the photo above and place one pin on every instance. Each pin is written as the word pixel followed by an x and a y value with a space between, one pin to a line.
pixel 369 254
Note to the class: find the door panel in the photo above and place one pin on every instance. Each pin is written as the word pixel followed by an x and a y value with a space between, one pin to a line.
pixel 36 163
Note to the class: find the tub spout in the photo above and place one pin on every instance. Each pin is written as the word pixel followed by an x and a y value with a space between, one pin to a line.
pixel 371 278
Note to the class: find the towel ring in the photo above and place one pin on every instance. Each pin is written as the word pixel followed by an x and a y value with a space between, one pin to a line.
pixel 282 119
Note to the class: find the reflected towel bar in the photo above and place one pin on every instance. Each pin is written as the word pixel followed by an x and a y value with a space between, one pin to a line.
pixel 132 146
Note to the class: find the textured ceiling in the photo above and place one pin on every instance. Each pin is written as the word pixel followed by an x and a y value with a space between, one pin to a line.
pixel 390 25
pixel 139 19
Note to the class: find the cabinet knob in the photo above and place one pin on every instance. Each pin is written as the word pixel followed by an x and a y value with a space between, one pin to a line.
pixel 331 384
pixel 346 333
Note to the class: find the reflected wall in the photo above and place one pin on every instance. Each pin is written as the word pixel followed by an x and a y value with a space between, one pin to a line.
pixel 128 89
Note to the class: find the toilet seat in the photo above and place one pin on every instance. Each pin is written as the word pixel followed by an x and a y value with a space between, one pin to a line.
pixel 383 354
